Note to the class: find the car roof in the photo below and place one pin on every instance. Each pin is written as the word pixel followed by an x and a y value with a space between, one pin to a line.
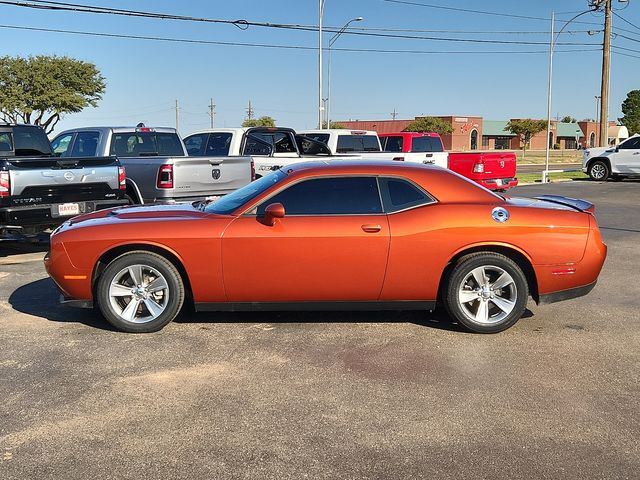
pixel 441 183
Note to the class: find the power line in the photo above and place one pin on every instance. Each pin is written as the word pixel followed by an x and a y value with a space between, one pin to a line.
pixel 52 5
pixel 626 21
pixel 288 47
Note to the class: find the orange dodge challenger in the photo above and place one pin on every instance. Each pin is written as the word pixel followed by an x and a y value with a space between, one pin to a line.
pixel 332 235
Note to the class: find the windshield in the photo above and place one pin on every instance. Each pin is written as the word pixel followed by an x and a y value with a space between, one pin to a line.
pixel 231 202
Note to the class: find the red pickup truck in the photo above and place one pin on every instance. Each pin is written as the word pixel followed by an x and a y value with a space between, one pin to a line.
pixel 493 170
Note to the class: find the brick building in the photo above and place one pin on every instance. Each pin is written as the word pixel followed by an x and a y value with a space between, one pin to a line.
pixel 475 133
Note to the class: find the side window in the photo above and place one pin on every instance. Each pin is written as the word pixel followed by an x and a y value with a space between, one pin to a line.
pixel 392 144
pixel 195 144
pixel 86 144
pixel 399 194
pixel 219 144
pixel 329 196
pixel 6 145
pixel 61 144
pixel 631 144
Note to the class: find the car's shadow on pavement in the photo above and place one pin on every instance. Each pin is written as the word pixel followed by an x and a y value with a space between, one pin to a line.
pixel 41 299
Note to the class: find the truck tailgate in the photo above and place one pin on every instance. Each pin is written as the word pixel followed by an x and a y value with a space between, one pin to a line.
pixel 42 180
pixel 204 176
pixel 494 170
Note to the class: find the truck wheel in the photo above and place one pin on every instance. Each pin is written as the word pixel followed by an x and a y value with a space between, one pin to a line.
pixel 486 292
pixel 140 292
pixel 599 171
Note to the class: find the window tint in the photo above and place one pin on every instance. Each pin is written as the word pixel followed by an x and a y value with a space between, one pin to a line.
pixel 6 145
pixel 426 144
pixel 195 144
pixel 392 144
pixel 140 144
pixel 357 143
pixel 256 146
pixel 329 196
pixel 86 144
pixel 631 144
pixel 218 144
pixel 31 141
pixel 280 141
pixel 399 194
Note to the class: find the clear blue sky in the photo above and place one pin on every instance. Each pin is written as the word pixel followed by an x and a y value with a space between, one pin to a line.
pixel 144 78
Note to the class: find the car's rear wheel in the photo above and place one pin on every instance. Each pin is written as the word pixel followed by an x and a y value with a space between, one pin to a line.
pixel 486 292
pixel 140 292
pixel 599 170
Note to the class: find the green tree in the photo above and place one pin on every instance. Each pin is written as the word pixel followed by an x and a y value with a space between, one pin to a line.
pixel 568 119
pixel 631 111
pixel 40 90
pixel 335 125
pixel 259 122
pixel 526 129
pixel 429 124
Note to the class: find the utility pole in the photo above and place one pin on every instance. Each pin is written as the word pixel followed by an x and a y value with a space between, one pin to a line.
pixel 212 112
pixel 394 114
pixel 606 73
pixel 177 116
pixel 250 111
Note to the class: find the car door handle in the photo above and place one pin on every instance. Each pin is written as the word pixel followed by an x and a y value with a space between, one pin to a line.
pixel 370 228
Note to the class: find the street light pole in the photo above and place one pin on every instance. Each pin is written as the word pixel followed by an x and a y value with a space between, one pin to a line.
pixel 332 40
pixel 552 42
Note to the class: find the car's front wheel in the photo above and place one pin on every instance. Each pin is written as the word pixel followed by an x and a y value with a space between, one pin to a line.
pixel 140 292
pixel 599 171
pixel 486 292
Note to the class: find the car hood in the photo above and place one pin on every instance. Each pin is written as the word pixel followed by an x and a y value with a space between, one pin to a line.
pixel 144 212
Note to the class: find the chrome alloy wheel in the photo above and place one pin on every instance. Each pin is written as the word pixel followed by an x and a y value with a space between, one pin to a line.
pixel 487 295
pixel 598 171
pixel 139 293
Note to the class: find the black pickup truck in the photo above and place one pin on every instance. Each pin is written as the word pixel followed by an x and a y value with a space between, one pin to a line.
pixel 39 190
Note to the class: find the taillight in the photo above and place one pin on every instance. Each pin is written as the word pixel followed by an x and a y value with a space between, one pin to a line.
pixel 253 170
pixel 165 176
pixel 398 159
pixel 4 184
pixel 478 168
pixel 122 179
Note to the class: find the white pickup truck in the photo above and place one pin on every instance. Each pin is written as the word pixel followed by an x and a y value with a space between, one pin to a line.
pixel 270 147
pixel 274 147
pixel 613 162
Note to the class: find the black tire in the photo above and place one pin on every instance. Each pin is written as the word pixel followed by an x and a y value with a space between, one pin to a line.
pixel 160 306
pixel 462 284
pixel 131 198
pixel 599 170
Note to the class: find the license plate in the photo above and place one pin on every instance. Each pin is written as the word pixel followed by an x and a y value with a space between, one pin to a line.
pixel 67 209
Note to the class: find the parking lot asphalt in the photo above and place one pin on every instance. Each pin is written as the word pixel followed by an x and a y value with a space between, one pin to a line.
pixel 328 395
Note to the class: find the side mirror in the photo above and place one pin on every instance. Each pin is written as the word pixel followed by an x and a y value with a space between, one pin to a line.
pixel 273 211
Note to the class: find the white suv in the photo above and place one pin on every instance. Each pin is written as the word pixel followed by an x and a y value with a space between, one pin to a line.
pixel 615 162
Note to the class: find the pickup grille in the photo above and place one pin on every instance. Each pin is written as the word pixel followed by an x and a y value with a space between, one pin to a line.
pixel 65 193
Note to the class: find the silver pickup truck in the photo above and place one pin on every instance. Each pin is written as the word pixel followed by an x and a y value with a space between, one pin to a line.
pixel 39 191
pixel 157 164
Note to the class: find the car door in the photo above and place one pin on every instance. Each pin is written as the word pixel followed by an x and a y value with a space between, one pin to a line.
pixel 331 245
pixel 627 156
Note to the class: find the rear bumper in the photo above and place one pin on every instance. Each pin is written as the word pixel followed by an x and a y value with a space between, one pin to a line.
pixel 41 217
pixel 497 183
pixel 566 294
